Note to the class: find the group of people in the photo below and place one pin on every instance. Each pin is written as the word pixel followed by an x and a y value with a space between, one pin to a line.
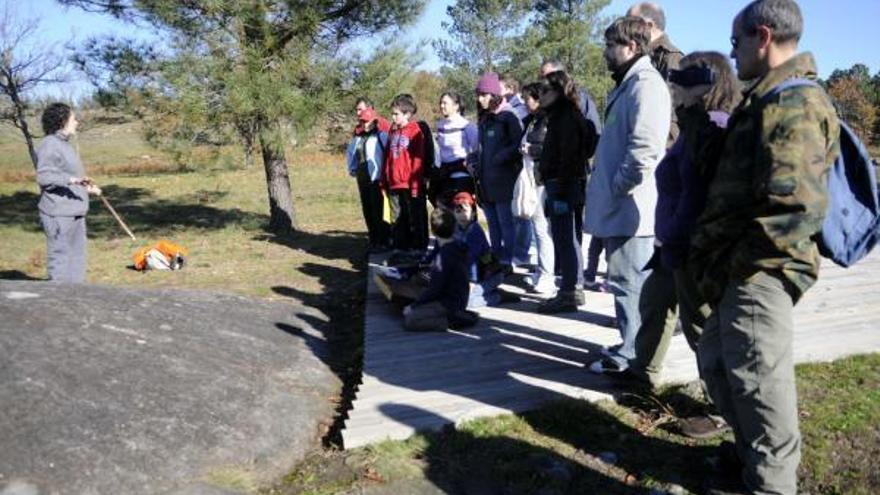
pixel 703 194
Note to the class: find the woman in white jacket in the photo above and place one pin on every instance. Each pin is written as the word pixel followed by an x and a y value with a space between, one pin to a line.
pixel 457 141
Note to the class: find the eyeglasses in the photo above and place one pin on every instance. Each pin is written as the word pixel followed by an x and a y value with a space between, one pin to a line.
pixel 734 42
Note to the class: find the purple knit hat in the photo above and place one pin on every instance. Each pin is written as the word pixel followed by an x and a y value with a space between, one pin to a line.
pixel 489 83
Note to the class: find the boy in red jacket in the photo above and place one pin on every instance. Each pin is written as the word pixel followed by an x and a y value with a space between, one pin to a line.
pixel 403 177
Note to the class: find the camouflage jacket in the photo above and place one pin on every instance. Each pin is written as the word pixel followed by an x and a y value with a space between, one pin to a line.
pixel 769 194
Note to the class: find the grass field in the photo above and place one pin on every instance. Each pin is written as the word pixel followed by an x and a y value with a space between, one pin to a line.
pixel 219 213
pixel 583 448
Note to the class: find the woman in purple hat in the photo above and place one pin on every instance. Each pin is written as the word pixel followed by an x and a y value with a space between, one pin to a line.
pixel 498 165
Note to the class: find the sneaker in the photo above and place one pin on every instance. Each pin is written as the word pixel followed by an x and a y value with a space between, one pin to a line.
pixel 463 319
pixel 702 427
pixel 508 297
pixel 610 351
pixel 378 249
pixel 607 366
pixel 562 302
pixel 579 297
pixel 545 285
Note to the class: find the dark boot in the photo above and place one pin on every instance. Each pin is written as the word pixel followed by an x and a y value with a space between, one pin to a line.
pixel 562 302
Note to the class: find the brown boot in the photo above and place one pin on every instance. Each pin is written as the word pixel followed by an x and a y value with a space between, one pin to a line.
pixel 702 427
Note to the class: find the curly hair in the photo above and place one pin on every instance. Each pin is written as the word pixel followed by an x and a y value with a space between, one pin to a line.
pixel 55 117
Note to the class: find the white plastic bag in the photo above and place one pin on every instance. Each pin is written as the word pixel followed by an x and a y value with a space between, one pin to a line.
pixel 525 191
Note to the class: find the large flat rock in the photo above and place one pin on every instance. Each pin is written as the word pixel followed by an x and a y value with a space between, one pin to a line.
pixel 105 390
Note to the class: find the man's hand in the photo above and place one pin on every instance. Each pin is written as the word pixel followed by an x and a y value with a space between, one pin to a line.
pixel 93 189
pixel 81 181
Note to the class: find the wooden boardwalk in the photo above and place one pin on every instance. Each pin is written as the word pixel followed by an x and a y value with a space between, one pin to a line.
pixel 516 359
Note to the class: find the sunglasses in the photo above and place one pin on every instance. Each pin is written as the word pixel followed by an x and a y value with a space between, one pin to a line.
pixel 692 76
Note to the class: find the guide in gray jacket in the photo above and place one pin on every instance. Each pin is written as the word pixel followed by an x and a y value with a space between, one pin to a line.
pixel 64 196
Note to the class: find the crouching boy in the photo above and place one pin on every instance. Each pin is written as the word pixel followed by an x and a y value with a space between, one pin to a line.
pixel 485 272
pixel 444 303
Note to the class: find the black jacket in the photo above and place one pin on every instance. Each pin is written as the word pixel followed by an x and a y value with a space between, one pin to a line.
pixel 568 145
pixel 535 131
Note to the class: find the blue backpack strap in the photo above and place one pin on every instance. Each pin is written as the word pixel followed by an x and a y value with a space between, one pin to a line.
pixel 788 84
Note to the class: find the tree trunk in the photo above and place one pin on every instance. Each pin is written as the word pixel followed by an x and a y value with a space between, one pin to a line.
pixel 248 156
pixel 20 121
pixel 247 134
pixel 282 220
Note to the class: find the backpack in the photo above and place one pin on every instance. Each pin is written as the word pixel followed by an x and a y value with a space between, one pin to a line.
pixel 164 255
pixel 432 151
pixel 852 220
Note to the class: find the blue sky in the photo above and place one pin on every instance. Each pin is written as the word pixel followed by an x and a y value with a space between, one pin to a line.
pixel 839 32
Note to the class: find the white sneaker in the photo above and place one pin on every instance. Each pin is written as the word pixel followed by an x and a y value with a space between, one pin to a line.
pixel 542 285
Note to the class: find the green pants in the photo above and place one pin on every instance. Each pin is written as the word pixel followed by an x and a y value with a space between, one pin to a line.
pixel 661 293
pixel 745 357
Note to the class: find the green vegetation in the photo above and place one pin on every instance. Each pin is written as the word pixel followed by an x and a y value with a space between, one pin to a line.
pixel 579 447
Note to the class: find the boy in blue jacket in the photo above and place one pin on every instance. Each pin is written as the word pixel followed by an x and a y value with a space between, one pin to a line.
pixel 366 156
pixel 485 272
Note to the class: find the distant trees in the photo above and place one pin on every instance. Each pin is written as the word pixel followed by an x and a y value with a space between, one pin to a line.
pixel 857 97
pixel 515 36
pixel 258 67
pixel 24 66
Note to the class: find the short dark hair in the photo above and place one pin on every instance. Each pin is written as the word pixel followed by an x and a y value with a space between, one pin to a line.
pixel 532 90
pixel 783 17
pixel 629 29
pixel 442 223
pixel 366 101
pixel 654 13
pixel 55 117
pixel 405 103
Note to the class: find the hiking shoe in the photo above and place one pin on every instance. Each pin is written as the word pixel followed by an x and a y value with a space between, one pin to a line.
pixel 607 366
pixel 508 297
pixel 702 427
pixel 463 319
pixel 610 350
pixel 562 302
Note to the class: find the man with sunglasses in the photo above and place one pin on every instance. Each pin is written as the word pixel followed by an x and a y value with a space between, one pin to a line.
pixel 753 253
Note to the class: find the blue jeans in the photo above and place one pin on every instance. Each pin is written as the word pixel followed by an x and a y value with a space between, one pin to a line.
pixel 523 228
pixel 485 293
pixel 562 225
pixel 593 254
pixel 626 258
pixel 544 241
pixel 502 230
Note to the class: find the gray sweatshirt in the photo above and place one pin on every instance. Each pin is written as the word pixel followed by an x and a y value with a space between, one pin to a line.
pixel 57 162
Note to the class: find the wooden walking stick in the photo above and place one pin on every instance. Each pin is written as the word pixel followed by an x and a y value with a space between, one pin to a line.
pixel 116 216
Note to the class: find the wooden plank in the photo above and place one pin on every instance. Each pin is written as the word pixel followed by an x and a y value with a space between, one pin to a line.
pixel 516 359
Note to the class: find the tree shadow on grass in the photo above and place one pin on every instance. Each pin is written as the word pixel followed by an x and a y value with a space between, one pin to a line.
pixel 17 275
pixel 608 456
pixel 145 215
